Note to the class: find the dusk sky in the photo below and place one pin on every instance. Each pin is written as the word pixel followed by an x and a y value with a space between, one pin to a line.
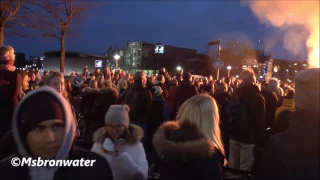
pixel 189 24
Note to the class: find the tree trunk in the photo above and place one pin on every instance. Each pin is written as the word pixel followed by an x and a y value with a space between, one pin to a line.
pixel 62 51
pixel 1 35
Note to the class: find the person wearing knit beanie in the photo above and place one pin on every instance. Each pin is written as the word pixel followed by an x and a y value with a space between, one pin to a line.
pixel 119 142
pixel 307 90
pixel 118 114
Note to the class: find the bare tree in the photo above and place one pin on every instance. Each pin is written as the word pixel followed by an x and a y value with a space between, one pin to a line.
pixel 8 9
pixel 58 15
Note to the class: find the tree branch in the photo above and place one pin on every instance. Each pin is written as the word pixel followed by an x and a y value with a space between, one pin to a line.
pixel 50 9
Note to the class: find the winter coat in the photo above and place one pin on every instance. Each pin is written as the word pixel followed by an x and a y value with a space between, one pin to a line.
pixel 293 154
pixel 222 99
pixel 99 171
pixel 172 91
pixel 160 114
pixel 89 96
pixel 256 114
pixel 186 154
pixel 10 86
pixel 107 97
pixel 139 99
pixel 130 164
pixel 271 104
pixel 184 91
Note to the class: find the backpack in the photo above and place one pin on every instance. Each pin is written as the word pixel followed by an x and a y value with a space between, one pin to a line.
pixel 239 122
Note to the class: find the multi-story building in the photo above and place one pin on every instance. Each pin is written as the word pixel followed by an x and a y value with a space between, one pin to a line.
pixel 150 57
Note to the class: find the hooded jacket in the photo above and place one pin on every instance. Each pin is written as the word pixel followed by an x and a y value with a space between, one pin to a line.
pixel 66 151
pixel 130 164
pixel 186 154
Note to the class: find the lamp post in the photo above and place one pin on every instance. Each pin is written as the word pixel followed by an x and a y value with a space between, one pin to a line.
pixel 116 57
pixel 229 68
pixel 287 73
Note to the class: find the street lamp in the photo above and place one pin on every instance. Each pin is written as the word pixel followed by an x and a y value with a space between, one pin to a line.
pixel 116 57
pixel 178 68
pixel 229 68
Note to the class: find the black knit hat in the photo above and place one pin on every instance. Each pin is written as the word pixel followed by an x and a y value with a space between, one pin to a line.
pixel 38 108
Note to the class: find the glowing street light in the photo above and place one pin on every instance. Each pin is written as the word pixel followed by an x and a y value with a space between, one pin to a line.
pixel 229 68
pixel 116 57
pixel 179 68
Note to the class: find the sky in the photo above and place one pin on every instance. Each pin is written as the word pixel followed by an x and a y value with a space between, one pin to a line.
pixel 181 23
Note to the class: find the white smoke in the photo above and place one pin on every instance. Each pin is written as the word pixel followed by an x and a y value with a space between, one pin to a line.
pixel 289 16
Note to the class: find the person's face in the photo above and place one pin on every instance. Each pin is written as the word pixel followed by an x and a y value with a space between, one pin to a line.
pixel 101 79
pixel 95 85
pixel 12 54
pixel 45 140
pixel 93 77
pixel 68 84
pixel 58 84
pixel 115 130
pixel 33 77
pixel 25 82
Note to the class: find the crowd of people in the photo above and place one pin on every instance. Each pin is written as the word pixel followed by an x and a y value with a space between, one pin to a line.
pixel 160 126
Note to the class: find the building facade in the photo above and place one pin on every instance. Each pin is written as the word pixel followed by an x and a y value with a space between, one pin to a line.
pixel 152 56
pixel 74 61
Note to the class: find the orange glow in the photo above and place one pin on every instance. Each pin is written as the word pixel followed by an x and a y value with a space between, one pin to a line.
pixel 313 42
pixel 286 15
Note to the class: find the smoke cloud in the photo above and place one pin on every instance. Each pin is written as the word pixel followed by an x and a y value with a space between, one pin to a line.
pixel 298 19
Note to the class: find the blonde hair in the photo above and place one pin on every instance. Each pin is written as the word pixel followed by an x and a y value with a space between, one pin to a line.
pixel 52 74
pixel 7 52
pixel 202 111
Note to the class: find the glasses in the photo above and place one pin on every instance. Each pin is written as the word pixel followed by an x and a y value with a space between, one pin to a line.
pixel 117 127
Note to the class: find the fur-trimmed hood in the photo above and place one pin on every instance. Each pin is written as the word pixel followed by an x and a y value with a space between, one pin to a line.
pixel 136 135
pixel 109 90
pixel 90 90
pixel 184 142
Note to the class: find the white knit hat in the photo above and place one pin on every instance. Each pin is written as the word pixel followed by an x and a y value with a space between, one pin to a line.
pixel 307 91
pixel 118 114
